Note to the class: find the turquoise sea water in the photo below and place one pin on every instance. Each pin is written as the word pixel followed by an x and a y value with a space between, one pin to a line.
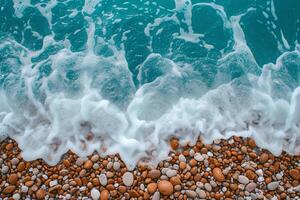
pixel 133 73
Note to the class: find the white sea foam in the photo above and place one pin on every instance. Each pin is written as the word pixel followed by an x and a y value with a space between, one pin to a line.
pixel 103 110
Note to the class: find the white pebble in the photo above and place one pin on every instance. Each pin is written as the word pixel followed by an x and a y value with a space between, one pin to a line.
pixel 79 161
pixel 53 183
pixel 182 158
pixel 201 193
pixel 260 179
pixel 24 189
pixel 171 173
pixel 95 194
pixel 16 196
pixel 116 166
pixel 198 157
pixel 243 179
pixel 4 169
pixel 127 178
pixel 273 185
pixel 14 161
pixel 103 179
pixel 156 196
pixel 96 166
pixel 251 187
pixel 208 187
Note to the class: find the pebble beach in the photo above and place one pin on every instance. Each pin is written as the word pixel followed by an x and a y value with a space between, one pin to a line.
pixel 227 169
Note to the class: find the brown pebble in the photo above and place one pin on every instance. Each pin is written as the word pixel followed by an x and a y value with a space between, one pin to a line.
pixel 21 166
pixel 104 195
pixel 175 180
pixel 9 147
pixel 295 174
pixel 263 158
pixel 133 193
pixel 122 188
pixel 251 175
pixel 152 187
pixel 88 164
pixel 165 188
pixel 174 143
pixel 9 189
pixel 218 175
pixel 29 183
pixel 154 174
pixel 13 179
pixel 40 194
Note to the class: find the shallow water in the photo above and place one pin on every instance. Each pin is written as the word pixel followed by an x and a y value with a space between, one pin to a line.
pixel 124 76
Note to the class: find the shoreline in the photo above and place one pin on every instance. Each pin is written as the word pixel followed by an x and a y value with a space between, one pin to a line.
pixel 227 169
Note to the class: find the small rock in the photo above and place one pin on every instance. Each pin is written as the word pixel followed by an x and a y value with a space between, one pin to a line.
pixel 198 157
pixel 201 193
pixel 88 164
pixel 251 187
pixel 156 196
pixel 9 189
pixel 104 195
pixel 295 174
pixel 218 175
pixel 171 173
pixel 64 172
pixel 127 179
pixel 24 189
pixel 273 185
pixel 79 162
pixel 165 188
pixel 82 173
pixel 263 158
pixel 174 143
pixel 13 179
pixel 53 183
pixel 154 174
pixel 15 161
pixel 5 169
pixel 191 194
pixel 40 194
pixel 103 179
pixel 95 194
pixel 151 188
pixel 182 158
pixel 243 180
pixel 16 196
pixel 116 166
pixel 208 187
pixel 95 158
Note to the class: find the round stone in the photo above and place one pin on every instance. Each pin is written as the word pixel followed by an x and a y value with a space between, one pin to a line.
pixel 191 194
pixel 251 187
pixel 171 173
pixel 127 179
pixel 104 195
pixel 208 187
pixel 40 194
pixel 243 179
pixel 273 185
pixel 95 194
pixel 16 196
pixel 198 157
pixel 103 179
pixel 151 188
pixel 116 166
pixel 218 175
pixel 154 174
pixel 165 188
pixel 201 193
